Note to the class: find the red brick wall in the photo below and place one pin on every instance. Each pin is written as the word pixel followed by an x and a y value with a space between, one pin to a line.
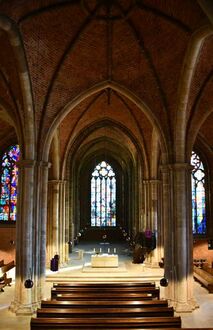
pixel 200 251
pixel 7 250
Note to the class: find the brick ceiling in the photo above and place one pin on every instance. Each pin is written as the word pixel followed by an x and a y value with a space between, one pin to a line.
pixel 71 46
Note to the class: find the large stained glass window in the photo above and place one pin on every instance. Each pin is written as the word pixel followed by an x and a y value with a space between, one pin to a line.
pixel 198 196
pixel 8 183
pixel 103 196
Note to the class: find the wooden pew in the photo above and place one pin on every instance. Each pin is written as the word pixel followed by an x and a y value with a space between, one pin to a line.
pixel 105 323
pixel 204 277
pixel 88 312
pixel 4 268
pixel 2 285
pixel 103 303
pixel 155 292
pixel 103 296
pixel 105 285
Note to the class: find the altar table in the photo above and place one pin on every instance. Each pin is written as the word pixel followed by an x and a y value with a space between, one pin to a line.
pixel 104 260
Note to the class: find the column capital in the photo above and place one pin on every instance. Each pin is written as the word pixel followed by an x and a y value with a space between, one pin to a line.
pixel 176 167
pixel 30 163
pixel 41 163
pixel 182 167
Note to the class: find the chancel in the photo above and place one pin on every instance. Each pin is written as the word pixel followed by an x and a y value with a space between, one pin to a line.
pixel 106 157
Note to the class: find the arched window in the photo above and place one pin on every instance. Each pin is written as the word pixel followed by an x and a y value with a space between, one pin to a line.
pixel 8 183
pixel 103 196
pixel 198 195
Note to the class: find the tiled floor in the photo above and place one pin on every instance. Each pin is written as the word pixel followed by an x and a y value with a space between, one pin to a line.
pixel 200 318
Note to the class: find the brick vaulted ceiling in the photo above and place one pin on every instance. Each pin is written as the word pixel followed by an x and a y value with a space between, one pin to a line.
pixel 71 46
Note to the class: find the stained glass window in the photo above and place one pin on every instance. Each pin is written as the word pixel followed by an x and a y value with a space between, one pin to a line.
pixel 8 183
pixel 198 196
pixel 103 196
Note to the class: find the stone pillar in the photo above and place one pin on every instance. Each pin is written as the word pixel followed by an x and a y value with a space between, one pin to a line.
pixel 178 236
pixel 168 232
pixel 25 300
pixel 63 241
pixel 53 219
pixel 151 195
pixel 155 222
pixel 31 236
pixel 184 300
pixel 147 209
pixel 56 236
pixel 41 228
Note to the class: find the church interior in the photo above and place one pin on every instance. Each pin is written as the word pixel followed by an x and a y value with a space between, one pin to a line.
pixel 106 148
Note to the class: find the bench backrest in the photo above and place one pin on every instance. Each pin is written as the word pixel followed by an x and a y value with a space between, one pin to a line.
pixel 96 291
pixel 103 296
pixel 107 312
pixel 103 303
pixel 105 285
pixel 7 267
pixel 105 323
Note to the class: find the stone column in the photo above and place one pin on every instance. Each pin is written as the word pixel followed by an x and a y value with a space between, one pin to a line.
pixel 178 236
pixel 56 237
pixel 53 219
pixel 184 300
pixel 63 241
pixel 25 300
pixel 151 188
pixel 155 222
pixel 31 236
pixel 41 227
pixel 147 209
pixel 168 232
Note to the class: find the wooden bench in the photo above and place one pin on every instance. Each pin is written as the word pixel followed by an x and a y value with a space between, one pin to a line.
pixel 106 323
pixel 105 285
pixel 4 268
pixel 155 292
pixel 103 303
pixel 88 312
pixel 205 278
pixel 103 296
pixel 208 269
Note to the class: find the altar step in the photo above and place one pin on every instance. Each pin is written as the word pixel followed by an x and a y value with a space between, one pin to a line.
pixel 124 273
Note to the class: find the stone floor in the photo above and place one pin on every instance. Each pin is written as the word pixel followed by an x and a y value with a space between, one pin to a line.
pixel 200 318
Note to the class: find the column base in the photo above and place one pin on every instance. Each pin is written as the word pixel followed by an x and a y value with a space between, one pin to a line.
pixel 23 309
pixel 183 307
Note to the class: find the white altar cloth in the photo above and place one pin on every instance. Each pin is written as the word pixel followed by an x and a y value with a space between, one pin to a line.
pixel 104 260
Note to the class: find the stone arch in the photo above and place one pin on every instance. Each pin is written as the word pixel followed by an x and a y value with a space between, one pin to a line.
pixel 94 89
pixel 91 128
pixel 81 157
pixel 195 126
pixel 27 124
pixel 188 69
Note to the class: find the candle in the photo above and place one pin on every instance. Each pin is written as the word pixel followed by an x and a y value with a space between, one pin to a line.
pixel 108 250
pixel 114 250
pixel 94 250
pixel 100 250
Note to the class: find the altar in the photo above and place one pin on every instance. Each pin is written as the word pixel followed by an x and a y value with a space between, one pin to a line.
pixel 104 260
